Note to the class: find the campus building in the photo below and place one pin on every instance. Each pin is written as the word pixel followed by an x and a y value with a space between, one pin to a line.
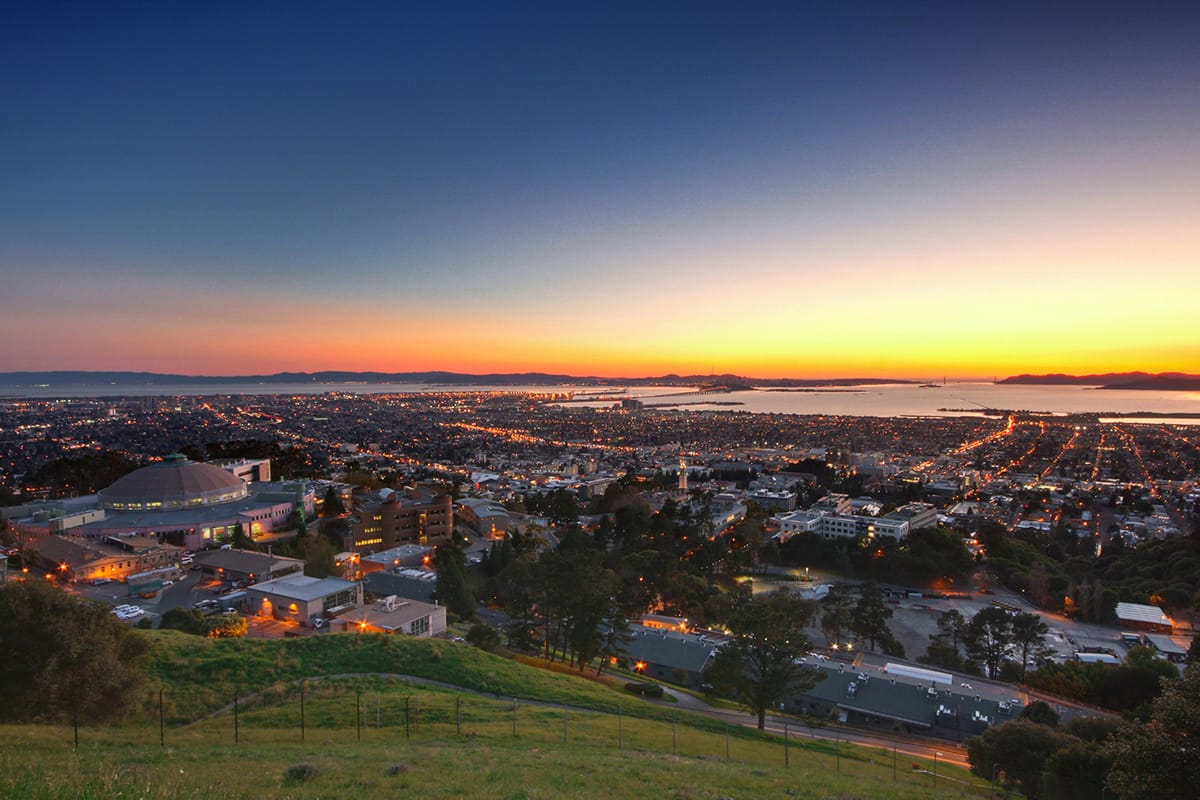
pixel 486 517
pixel 387 519
pixel 185 503
pixel 302 599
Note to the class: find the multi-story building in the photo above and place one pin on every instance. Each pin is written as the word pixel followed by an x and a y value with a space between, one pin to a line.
pixel 797 522
pixel 839 526
pixel 917 515
pixel 833 503
pixel 387 519
pixel 771 500
pixel 486 517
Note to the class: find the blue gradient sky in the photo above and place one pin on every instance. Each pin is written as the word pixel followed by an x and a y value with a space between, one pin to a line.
pixel 911 189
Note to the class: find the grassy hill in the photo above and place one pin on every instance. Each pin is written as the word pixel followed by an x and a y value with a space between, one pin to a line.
pixel 200 676
pixel 373 736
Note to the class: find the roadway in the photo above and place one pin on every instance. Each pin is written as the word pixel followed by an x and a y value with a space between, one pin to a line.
pixel 914 747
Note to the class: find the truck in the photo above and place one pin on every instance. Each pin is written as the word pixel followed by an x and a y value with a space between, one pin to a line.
pixel 150 581
pixel 944 678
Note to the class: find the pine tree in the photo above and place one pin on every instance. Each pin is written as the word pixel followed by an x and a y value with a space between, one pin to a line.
pixel 868 618
pixel 452 588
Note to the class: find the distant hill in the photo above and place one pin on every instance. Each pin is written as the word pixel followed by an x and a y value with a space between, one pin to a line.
pixel 85 378
pixel 1163 381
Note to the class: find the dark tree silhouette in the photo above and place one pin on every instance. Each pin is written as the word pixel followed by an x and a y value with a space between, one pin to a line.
pixel 76 661
pixel 759 667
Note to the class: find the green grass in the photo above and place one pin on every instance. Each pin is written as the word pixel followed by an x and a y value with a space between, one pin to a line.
pixel 202 761
pixel 380 736
pixel 199 676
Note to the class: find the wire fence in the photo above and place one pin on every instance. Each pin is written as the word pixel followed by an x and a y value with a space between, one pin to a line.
pixel 373 716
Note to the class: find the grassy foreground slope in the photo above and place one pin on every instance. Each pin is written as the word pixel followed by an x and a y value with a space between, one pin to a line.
pixel 38 763
pixel 375 737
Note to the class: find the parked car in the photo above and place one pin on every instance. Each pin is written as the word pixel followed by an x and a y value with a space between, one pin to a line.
pixel 101 581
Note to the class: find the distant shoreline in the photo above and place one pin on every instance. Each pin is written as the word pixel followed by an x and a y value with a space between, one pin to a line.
pixel 1000 412
pixel 1134 381
pixel 75 379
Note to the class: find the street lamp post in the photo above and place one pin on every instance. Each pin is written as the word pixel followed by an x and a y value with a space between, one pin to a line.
pixel 936 753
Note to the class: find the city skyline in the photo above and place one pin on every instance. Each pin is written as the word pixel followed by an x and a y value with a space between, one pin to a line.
pixel 610 190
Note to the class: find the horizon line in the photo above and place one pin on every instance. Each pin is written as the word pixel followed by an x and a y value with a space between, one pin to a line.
pixel 573 376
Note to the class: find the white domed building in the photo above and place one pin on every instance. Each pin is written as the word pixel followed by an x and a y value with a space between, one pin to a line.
pixel 173 484
pixel 178 501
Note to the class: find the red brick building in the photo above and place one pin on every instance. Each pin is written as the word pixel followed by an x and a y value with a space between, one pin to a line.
pixel 388 519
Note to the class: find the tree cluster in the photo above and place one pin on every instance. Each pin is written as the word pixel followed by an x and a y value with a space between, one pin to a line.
pixel 1161 759
pixel 212 626
pixel 865 617
pixel 927 554
pixel 1098 757
pixel 1127 687
pixel 992 638
pixel 1043 761
pixel 453 588
pixel 80 475
pixel 1059 571
pixel 563 601
pixel 65 659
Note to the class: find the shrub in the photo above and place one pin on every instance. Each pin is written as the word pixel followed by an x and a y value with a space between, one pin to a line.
pixel 483 636
pixel 300 773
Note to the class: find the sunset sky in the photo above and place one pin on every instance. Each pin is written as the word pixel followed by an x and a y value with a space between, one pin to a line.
pixel 900 189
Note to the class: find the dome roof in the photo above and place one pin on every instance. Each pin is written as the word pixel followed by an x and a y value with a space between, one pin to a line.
pixel 173 483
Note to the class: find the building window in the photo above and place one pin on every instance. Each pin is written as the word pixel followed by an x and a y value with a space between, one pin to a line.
pixel 419 627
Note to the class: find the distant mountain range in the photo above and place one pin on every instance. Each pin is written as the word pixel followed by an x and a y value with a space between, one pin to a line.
pixel 1162 381
pixel 86 378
